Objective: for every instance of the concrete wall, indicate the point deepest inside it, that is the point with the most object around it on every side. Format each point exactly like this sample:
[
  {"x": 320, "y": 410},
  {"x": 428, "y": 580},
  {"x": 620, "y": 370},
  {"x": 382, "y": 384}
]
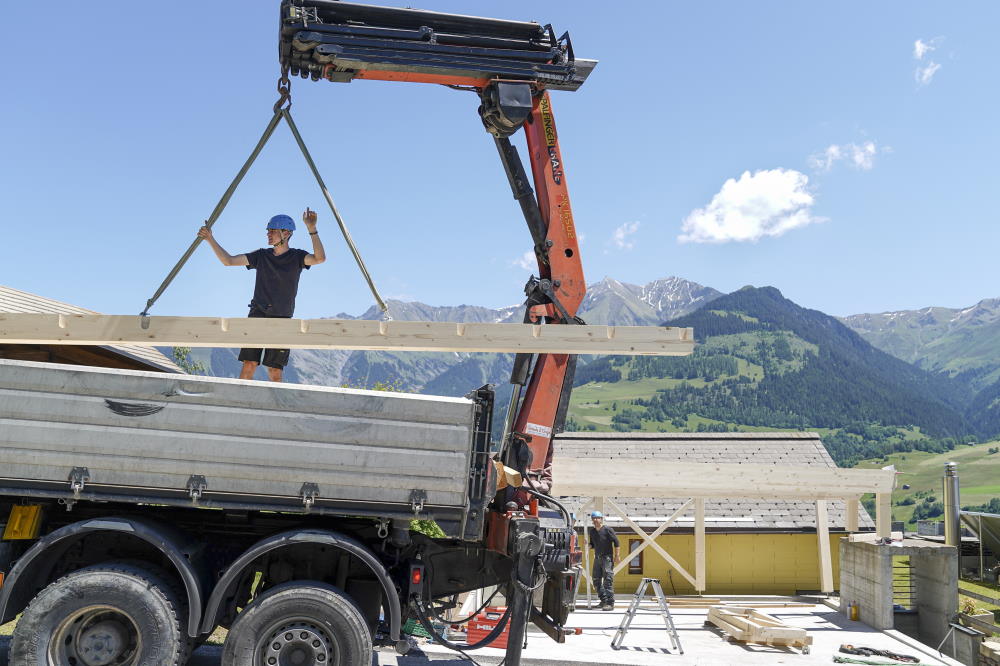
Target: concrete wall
[
  {"x": 735, "y": 563},
  {"x": 866, "y": 580},
  {"x": 989, "y": 653},
  {"x": 935, "y": 577}
]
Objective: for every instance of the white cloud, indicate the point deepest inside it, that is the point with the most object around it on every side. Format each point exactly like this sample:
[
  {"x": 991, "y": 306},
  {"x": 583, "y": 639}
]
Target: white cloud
[
  {"x": 526, "y": 261},
  {"x": 826, "y": 159},
  {"x": 860, "y": 156},
  {"x": 921, "y": 48},
  {"x": 620, "y": 237},
  {"x": 923, "y": 75},
  {"x": 765, "y": 203}
]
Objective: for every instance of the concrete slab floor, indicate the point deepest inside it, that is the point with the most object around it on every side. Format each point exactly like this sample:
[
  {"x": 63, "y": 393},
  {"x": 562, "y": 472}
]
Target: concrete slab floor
[{"x": 647, "y": 641}]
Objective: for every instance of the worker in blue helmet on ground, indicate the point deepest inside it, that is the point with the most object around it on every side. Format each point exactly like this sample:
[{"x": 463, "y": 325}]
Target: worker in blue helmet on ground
[
  {"x": 278, "y": 269},
  {"x": 604, "y": 541}
]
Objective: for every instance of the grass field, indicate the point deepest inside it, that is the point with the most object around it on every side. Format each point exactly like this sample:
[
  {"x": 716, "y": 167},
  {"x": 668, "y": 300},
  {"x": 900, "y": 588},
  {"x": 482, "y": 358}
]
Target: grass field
[
  {"x": 981, "y": 588},
  {"x": 978, "y": 471}
]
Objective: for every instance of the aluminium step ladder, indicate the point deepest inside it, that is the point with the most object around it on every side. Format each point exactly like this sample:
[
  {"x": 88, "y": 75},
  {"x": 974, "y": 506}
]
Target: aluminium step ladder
[{"x": 633, "y": 608}]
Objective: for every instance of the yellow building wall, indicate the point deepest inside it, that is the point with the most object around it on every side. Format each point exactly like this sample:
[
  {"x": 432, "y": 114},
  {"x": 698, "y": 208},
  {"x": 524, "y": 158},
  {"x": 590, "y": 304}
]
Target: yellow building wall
[{"x": 734, "y": 563}]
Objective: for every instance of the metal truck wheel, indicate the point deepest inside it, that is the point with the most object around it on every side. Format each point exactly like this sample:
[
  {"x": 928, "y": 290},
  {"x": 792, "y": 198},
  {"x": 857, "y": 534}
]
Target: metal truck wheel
[
  {"x": 295, "y": 623},
  {"x": 104, "y": 615}
]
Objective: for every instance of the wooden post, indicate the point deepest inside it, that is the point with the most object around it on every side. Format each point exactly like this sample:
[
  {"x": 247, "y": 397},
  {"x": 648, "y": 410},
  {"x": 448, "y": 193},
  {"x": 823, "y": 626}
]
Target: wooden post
[
  {"x": 883, "y": 515},
  {"x": 851, "y": 514},
  {"x": 825, "y": 558},
  {"x": 699, "y": 545}
]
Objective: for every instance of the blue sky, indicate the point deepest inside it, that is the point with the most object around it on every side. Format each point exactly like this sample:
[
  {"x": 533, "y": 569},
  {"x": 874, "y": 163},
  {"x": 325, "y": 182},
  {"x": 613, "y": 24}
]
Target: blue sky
[{"x": 844, "y": 153}]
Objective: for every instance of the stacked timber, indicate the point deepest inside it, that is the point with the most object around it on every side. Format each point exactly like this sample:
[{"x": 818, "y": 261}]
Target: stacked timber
[{"x": 748, "y": 625}]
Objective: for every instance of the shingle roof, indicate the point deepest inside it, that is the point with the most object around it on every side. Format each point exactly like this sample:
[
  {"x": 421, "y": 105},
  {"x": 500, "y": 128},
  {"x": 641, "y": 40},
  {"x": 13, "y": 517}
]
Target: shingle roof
[
  {"x": 16, "y": 301},
  {"x": 759, "y": 448}
]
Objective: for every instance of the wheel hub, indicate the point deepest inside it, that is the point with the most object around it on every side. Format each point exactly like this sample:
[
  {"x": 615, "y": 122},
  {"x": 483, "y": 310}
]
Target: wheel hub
[
  {"x": 102, "y": 642},
  {"x": 298, "y": 644},
  {"x": 96, "y": 637}
]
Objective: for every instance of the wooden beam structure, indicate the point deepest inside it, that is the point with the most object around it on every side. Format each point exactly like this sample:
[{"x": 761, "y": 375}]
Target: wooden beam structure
[
  {"x": 748, "y": 625},
  {"x": 94, "y": 329},
  {"x": 699, "y": 545},
  {"x": 618, "y": 477},
  {"x": 825, "y": 557},
  {"x": 851, "y": 519},
  {"x": 650, "y": 540},
  {"x": 883, "y": 514},
  {"x": 603, "y": 478}
]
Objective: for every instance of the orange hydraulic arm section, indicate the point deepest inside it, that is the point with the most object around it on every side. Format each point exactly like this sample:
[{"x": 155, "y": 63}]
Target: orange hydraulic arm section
[{"x": 561, "y": 283}]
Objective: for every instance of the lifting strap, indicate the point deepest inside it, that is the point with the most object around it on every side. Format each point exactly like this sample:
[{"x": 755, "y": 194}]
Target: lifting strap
[{"x": 281, "y": 112}]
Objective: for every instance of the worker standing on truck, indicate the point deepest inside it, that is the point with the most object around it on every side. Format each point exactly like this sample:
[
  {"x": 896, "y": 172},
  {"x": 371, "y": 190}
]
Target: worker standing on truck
[
  {"x": 278, "y": 269},
  {"x": 604, "y": 541}
]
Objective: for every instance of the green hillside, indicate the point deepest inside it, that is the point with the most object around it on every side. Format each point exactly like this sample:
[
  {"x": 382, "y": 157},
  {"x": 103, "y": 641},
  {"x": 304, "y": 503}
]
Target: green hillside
[
  {"x": 764, "y": 363},
  {"x": 978, "y": 473},
  {"x": 958, "y": 342}
]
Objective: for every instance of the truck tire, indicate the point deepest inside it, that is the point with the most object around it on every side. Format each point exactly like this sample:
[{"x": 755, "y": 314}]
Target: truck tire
[
  {"x": 105, "y": 614},
  {"x": 299, "y": 623}
]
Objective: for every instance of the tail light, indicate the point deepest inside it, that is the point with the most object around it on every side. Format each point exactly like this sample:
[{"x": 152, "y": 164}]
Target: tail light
[{"x": 416, "y": 579}]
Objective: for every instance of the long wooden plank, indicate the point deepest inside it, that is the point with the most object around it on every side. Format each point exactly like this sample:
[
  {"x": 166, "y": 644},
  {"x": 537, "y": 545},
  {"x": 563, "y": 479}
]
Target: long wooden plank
[
  {"x": 344, "y": 334},
  {"x": 653, "y": 478}
]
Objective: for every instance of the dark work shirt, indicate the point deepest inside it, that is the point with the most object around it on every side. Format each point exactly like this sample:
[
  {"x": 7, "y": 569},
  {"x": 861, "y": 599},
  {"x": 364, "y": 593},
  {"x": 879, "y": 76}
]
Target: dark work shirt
[
  {"x": 603, "y": 541},
  {"x": 277, "y": 280}
]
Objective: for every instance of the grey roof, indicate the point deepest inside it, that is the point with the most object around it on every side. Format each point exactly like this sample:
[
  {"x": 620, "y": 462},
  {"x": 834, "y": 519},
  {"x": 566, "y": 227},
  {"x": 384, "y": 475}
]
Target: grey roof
[
  {"x": 16, "y": 301},
  {"x": 759, "y": 448}
]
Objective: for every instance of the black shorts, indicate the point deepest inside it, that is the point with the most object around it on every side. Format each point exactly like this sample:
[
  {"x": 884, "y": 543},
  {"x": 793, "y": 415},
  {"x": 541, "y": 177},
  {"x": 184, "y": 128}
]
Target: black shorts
[{"x": 272, "y": 358}]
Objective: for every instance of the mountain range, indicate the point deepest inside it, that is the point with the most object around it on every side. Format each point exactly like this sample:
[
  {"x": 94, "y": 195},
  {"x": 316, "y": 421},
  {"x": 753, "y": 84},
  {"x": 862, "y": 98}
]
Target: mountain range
[
  {"x": 873, "y": 383},
  {"x": 959, "y": 342},
  {"x": 606, "y": 302}
]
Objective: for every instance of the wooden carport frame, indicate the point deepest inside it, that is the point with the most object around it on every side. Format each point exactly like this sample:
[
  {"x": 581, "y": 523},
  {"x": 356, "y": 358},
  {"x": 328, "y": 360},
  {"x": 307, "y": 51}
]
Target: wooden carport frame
[{"x": 603, "y": 478}]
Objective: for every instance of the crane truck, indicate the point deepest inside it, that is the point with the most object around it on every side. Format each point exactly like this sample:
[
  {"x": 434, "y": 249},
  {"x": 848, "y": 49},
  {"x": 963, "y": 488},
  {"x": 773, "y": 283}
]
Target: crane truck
[{"x": 140, "y": 510}]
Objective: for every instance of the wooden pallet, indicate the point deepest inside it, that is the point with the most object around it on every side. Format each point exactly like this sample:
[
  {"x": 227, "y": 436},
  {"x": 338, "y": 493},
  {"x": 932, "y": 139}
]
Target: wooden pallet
[{"x": 749, "y": 625}]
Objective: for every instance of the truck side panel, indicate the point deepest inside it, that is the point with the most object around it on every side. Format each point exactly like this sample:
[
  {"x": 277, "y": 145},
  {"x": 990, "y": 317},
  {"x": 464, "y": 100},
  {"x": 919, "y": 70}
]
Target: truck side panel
[{"x": 152, "y": 430}]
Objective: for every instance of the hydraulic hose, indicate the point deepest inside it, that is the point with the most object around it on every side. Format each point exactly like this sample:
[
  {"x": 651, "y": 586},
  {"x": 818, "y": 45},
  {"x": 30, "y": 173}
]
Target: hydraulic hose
[{"x": 424, "y": 618}]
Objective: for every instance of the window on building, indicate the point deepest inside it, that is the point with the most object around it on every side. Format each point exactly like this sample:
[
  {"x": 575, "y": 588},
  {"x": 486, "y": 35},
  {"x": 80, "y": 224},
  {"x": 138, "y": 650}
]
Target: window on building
[{"x": 635, "y": 564}]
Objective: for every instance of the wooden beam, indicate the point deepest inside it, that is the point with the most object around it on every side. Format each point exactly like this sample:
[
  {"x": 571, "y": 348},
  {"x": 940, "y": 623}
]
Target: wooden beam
[
  {"x": 852, "y": 506},
  {"x": 652, "y": 544},
  {"x": 883, "y": 514},
  {"x": 652, "y": 537},
  {"x": 699, "y": 544},
  {"x": 344, "y": 334},
  {"x": 823, "y": 538},
  {"x": 617, "y": 477}
]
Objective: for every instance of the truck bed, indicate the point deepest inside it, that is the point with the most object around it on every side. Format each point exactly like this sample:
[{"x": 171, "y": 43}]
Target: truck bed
[{"x": 153, "y": 436}]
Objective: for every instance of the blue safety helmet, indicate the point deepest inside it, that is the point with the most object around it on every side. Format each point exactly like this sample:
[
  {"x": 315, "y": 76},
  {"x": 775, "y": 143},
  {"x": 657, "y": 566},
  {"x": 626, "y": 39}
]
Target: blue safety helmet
[
  {"x": 281, "y": 222},
  {"x": 596, "y": 514}
]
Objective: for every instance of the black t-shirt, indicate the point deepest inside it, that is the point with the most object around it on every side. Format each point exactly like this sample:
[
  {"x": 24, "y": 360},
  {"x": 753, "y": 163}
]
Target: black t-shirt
[
  {"x": 603, "y": 541},
  {"x": 277, "y": 279}
]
